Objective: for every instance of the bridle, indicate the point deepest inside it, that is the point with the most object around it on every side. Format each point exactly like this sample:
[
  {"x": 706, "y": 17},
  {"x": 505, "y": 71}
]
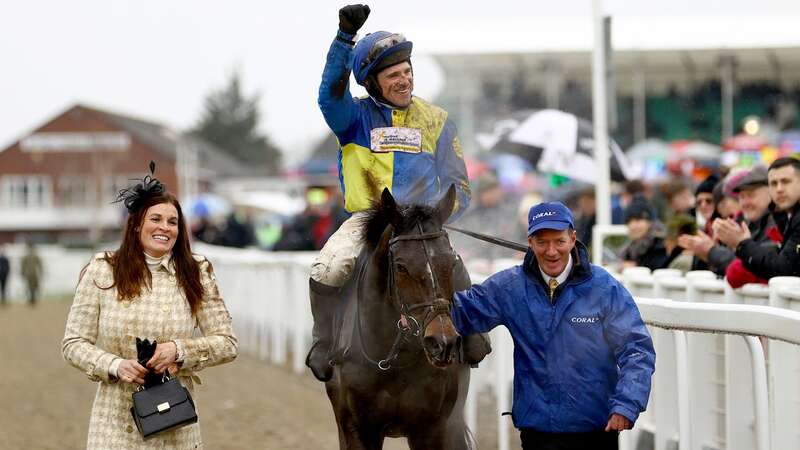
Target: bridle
[{"x": 407, "y": 324}]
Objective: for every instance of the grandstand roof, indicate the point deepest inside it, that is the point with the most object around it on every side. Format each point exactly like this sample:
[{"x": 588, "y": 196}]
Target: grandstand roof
[
  {"x": 548, "y": 34},
  {"x": 671, "y": 50}
]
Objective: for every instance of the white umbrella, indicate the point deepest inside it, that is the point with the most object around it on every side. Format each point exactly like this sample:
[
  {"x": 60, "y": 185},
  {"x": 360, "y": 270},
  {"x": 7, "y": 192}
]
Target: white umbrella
[
  {"x": 207, "y": 205},
  {"x": 558, "y": 142},
  {"x": 272, "y": 201},
  {"x": 701, "y": 151},
  {"x": 649, "y": 149}
]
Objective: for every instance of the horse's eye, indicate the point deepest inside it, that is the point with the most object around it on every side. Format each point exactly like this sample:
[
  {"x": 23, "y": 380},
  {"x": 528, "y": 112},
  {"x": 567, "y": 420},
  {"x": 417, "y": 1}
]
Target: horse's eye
[{"x": 401, "y": 268}]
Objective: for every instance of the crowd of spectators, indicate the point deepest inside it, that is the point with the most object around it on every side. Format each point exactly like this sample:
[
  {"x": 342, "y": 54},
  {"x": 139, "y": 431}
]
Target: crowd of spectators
[
  {"x": 743, "y": 226},
  {"x": 311, "y": 228},
  {"x": 307, "y": 230},
  {"x": 493, "y": 211},
  {"x": 236, "y": 230}
]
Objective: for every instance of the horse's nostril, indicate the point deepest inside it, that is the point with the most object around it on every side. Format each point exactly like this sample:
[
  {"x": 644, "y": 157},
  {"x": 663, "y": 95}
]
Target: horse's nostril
[{"x": 432, "y": 346}]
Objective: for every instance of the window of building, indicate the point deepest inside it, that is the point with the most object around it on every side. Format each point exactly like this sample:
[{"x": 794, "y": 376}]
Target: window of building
[
  {"x": 26, "y": 191},
  {"x": 74, "y": 190}
]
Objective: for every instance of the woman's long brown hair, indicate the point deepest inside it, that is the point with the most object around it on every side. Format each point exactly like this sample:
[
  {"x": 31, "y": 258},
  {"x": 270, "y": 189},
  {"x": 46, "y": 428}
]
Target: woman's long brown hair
[{"x": 130, "y": 269}]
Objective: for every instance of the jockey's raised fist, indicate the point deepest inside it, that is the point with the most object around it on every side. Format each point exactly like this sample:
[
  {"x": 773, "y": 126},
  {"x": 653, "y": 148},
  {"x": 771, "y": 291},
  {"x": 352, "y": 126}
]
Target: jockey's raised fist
[{"x": 352, "y": 18}]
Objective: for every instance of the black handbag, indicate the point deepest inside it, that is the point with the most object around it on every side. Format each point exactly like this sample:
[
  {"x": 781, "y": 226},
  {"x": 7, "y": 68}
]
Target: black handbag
[
  {"x": 162, "y": 403},
  {"x": 162, "y": 407}
]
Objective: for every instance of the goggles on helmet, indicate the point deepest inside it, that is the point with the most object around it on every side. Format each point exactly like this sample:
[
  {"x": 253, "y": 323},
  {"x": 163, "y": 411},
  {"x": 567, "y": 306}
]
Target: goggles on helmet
[{"x": 382, "y": 45}]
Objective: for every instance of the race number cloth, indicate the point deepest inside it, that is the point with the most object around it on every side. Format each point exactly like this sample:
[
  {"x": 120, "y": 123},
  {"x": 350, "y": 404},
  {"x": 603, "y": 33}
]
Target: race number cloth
[{"x": 396, "y": 139}]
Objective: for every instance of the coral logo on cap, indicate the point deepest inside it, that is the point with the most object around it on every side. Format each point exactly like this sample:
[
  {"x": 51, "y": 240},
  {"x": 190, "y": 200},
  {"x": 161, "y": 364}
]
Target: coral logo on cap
[{"x": 543, "y": 214}]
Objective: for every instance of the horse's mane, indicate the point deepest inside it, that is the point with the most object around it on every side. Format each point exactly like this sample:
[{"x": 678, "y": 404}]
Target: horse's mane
[{"x": 377, "y": 218}]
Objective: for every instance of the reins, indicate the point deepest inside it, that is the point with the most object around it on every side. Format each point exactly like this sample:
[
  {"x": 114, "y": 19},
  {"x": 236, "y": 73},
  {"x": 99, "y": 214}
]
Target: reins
[{"x": 491, "y": 239}]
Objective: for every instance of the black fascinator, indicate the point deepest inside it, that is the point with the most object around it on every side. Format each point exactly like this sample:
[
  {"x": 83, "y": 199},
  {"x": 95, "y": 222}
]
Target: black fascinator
[{"x": 134, "y": 196}]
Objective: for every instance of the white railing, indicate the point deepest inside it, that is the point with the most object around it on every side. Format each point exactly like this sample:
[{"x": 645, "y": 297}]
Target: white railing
[
  {"x": 267, "y": 296},
  {"x": 599, "y": 234},
  {"x": 711, "y": 386},
  {"x": 724, "y": 399}
]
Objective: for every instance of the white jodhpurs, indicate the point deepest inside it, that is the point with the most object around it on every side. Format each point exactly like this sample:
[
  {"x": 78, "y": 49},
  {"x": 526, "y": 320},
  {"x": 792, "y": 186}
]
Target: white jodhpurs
[{"x": 336, "y": 260}]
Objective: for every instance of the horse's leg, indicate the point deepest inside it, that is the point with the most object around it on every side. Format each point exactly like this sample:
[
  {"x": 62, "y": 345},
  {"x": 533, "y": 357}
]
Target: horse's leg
[
  {"x": 432, "y": 437},
  {"x": 459, "y": 436},
  {"x": 457, "y": 430},
  {"x": 333, "y": 389},
  {"x": 354, "y": 437}
]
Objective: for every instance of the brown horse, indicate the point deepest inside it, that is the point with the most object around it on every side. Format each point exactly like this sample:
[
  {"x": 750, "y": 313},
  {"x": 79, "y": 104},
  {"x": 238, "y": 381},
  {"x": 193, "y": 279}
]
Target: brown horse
[{"x": 398, "y": 373}]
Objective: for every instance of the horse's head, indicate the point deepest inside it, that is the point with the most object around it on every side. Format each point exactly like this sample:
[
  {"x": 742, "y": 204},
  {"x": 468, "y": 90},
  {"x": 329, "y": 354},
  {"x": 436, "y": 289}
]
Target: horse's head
[{"x": 419, "y": 266}]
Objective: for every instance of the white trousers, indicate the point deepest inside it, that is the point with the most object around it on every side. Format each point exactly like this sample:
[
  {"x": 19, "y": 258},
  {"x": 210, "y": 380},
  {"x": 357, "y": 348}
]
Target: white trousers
[{"x": 336, "y": 260}]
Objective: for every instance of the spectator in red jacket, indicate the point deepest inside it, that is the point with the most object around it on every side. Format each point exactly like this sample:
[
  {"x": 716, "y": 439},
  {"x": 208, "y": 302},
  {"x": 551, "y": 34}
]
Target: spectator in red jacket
[
  {"x": 783, "y": 259},
  {"x": 748, "y": 190},
  {"x": 754, "y": 200}
]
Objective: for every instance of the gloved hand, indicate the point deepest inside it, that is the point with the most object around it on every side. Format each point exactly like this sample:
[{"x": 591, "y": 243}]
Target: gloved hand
[
  {"x": 144, "y": 351},
  {"x": 352, "y": 18}
]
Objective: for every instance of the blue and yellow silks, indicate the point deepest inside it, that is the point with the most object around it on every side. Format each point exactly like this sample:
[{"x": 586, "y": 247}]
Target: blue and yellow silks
[{"x": 381, "y": 147}]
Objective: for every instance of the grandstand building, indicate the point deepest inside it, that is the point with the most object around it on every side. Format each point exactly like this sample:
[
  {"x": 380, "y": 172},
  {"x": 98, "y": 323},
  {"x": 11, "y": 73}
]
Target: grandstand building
[{"x": 672, "y": 79}]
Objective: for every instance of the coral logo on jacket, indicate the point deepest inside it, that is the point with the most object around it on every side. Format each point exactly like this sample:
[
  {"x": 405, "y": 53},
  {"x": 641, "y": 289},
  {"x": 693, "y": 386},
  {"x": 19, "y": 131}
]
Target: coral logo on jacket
[{"x": 584, "y": 319}]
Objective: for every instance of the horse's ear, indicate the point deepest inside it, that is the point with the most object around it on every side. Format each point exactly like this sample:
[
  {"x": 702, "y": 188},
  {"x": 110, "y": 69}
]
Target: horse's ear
[
  {"x": 383, "y": 245},
  {"x": 446, "y": 203},
  {"x": 389, "y": 206}
]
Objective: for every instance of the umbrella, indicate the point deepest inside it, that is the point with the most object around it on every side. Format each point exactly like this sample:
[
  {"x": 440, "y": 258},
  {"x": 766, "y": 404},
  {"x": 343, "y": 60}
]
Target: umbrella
[
  {"x": 697, "y": 150},
  {"x": 510, "y": 170},
  {"x": 649, "y": 149},
  {"x": 565, "y": 192},
  {"x": 207, "y": 204},
  {"x": 475, "y": 167},
  {"x": 272, "y": 201},
  {"x": 319, "y": 166},
  {"x": 557, "y": 142},
  {"x": 790, "y": 141},
  {"x": 744, "y": 142}
]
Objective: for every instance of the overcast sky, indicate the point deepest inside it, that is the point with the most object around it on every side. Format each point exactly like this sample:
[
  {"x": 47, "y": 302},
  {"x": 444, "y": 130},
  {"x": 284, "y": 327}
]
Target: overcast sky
[{"x": 158, "y": 59}]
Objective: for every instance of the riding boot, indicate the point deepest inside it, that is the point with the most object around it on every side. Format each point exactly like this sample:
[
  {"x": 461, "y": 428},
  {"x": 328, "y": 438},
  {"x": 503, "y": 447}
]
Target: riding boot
[
  {"x": 474, "y": 347},
  {"x": 324, "y": 299}
]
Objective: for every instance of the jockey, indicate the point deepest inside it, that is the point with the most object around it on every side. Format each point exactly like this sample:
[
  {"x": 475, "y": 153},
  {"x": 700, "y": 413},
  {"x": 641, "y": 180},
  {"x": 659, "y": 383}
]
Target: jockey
[{"x": 387, "y": 139}]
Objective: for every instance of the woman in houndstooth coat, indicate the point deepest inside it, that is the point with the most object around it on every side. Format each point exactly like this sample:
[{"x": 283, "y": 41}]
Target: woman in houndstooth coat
[{"x": 151, "y": 287}]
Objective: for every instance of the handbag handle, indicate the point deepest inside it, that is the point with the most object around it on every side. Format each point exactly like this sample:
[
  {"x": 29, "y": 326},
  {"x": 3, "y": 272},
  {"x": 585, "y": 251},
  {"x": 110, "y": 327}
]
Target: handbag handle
[{"x": 164, "y": 378}]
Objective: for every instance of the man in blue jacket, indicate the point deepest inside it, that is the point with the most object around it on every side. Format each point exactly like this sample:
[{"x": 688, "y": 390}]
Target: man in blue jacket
[
  {"x": 388, "y": 139},
  {"x": 583, "y": 358}
]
